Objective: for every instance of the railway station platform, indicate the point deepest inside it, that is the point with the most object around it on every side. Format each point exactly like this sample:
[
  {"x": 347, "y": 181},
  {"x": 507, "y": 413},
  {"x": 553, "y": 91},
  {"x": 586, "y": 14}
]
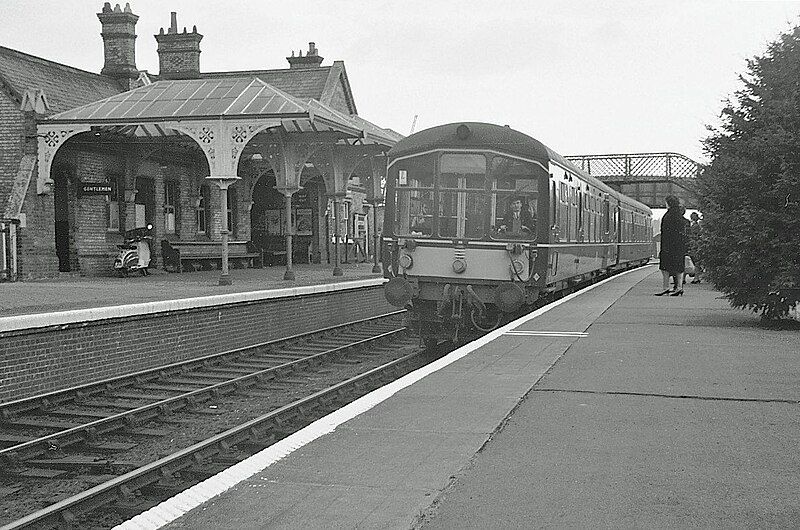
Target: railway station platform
[
  {"x": 610, "y": 408},
  {"x": 70, "y": 293},
  {"x": 65, "y": 333}
]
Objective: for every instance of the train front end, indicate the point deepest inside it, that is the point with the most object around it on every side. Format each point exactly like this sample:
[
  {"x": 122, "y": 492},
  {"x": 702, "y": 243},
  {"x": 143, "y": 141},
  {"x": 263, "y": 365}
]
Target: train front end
[{"x": 463, "y": 203}]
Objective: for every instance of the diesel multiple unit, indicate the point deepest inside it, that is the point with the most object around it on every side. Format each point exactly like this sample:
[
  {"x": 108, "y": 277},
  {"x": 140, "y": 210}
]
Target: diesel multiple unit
[{"x": 481, "y": 221}]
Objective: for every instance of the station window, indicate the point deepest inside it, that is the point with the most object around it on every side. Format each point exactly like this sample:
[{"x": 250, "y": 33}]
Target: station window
[
  {"x": 201, "y": 209},
  {"x": 231, "y": 211},
  {"x": 170, "y": 206},
  {"x": 115, "y": 203}
]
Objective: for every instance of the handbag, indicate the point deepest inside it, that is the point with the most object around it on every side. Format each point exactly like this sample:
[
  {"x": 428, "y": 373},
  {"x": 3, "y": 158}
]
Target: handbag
[{"x": 688, "y": 266}]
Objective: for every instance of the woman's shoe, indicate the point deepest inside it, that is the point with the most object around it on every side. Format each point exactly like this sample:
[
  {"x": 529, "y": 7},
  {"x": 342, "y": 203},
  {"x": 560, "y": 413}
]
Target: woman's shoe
[
  {"x": 677, "y": 293},
  {"x": 663, "y": 293}
]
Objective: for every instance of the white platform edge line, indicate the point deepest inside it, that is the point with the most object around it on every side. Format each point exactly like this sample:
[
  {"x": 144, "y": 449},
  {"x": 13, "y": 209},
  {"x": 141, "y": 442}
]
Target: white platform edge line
[
  {"x": 548, "y": 333},
  {"x": 176, "y": 506},
  {"x": 60, "y": 318}
]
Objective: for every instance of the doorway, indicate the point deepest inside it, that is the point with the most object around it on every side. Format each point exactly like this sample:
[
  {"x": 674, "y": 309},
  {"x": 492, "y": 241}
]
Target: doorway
[
  {"x": 61, "y": 205},
  {"x": 145, "y": 201},
  {"x": 268, "y": 221}
]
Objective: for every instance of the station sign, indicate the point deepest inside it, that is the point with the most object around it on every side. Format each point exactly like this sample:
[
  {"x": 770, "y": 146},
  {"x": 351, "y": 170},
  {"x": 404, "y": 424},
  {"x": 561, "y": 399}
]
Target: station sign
[{"x": 95, "y": 189}]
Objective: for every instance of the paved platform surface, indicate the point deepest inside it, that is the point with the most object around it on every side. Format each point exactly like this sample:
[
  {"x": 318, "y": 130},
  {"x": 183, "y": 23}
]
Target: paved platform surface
[
  {"x": 42, "y": 296},
  {"x": 668, "y": 413}
]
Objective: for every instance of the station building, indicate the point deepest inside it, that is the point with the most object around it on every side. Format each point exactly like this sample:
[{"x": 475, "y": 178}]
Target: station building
[{"x": 273, "y": 163}]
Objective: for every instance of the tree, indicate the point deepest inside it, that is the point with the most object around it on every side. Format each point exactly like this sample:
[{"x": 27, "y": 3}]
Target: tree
[{"x": 751, "y": 190}]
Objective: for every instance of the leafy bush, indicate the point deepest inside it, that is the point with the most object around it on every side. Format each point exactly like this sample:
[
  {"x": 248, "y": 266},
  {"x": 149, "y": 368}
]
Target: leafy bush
[{"x": 750, "y": 245}]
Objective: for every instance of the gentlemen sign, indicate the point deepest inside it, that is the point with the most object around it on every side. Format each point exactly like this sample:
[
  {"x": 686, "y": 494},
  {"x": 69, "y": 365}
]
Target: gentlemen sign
[{"x": 95, "y": 189}]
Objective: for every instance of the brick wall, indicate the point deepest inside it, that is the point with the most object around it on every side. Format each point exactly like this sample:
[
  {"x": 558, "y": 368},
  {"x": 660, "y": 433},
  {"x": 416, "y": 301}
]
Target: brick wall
[
  {"x": 48, "y": 359},
  {"x": 11, "y": 141},
  {"x": 35, "y": 240}
]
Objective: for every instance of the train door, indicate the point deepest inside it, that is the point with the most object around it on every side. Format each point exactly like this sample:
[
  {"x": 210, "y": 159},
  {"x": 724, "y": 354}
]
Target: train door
[
  {"x": 605, "y": 236},
  {"x": 581, "y": 235},
  {"x": 617, "y": 233},
  {"x": 554, "y": 209}
]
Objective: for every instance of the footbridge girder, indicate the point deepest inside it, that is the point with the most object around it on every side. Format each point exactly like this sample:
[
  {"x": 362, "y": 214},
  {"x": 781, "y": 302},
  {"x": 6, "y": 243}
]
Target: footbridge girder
[{"x": 647, "y": 177}]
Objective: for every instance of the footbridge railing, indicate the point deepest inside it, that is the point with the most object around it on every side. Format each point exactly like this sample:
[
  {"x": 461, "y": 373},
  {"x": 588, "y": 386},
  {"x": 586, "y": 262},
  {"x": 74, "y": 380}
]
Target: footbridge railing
[{"x": 664, "y": 172}]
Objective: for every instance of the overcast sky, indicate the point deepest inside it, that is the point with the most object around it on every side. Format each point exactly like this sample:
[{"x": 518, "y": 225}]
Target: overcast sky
[{"x": 583, "y": 77}]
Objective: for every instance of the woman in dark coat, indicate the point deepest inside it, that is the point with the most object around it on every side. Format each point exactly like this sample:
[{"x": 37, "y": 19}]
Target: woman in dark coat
[{"x": 673, "y": 247}]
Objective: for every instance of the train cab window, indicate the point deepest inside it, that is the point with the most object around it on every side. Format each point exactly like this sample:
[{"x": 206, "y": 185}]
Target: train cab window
[
  {"x": 514, "y": 199},
  {"x": 462, "y": 185},
  {"x": 413, "y": 180}
]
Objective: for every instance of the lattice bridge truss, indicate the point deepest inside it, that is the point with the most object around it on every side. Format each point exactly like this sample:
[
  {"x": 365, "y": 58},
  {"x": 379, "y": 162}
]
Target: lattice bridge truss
[{"x": 647, "y": 177}]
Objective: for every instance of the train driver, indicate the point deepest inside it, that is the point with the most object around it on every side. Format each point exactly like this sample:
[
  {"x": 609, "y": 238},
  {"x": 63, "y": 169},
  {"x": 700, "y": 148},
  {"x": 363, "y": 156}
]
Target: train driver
[
  {"x": 421, "y": 223},
  {"x": 518, "y": 221}
]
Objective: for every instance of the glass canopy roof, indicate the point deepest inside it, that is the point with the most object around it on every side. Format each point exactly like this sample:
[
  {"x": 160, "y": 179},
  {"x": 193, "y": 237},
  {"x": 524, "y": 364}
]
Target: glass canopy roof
[{"x": 190, "y": 98}]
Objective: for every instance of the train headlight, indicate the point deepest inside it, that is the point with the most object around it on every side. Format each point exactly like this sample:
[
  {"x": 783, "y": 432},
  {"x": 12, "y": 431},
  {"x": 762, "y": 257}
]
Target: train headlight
[
  {"x": 517, "y": 267},
  {"x": 459, "y": 265},
  {"x": 405, "y": 261}
]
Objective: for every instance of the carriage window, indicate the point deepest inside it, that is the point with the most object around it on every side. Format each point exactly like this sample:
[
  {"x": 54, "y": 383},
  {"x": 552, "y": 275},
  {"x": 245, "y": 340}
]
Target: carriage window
[
  {"x": 461, "y": 195},
  {"x": 514, "y": 202},
  {"x": 414, "y": 195}
]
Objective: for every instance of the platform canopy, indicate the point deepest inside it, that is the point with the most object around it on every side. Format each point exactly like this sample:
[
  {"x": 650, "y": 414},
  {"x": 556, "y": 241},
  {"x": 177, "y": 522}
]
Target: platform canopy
[{"x": 220, "y": 115}]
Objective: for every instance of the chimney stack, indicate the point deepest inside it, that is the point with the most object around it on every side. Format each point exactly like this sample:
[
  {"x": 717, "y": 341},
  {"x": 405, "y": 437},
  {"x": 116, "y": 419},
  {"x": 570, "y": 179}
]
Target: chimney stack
[
  {"x": 119, "y": 43},
  {"x": 311, "y": 60},
  {"x": 178, "y": 53}
]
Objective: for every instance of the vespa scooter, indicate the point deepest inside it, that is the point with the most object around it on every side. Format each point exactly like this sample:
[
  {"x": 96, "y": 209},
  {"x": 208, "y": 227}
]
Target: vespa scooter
[{"x": 134, "y": 255}]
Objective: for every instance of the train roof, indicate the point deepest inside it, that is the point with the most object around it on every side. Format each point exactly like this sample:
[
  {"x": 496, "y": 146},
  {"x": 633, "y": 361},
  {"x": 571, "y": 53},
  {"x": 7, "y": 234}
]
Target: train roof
[{"x": 477, "y": 135}]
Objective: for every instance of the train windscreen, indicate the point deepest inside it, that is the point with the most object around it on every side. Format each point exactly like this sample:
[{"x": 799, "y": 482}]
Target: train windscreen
[
  {"x": 461, "y": 195},
  {"x": 514, "y": 200},
  {"x": 414, "y": 205}
]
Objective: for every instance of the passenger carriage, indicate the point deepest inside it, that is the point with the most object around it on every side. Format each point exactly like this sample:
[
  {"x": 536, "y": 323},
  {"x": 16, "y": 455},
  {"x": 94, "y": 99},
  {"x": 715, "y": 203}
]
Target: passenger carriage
[{"x": 463, "y": 257}]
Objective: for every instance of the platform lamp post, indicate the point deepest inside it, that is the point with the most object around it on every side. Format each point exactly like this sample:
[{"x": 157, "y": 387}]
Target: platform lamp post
[{"x": 224, "y": 182}]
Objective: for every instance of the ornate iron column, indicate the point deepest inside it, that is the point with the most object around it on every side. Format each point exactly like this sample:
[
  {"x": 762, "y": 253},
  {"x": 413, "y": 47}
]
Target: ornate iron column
[
  {"x": 287, "y": 194},
  {"x": 337, "y": 270},
  {"x": 375, "y": 197},
  {"x": 224, "y": 182}
]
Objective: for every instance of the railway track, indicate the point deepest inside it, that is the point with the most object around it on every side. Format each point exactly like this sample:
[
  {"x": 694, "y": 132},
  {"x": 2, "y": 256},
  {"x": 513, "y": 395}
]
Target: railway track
[{"x": 96, "y": 455}]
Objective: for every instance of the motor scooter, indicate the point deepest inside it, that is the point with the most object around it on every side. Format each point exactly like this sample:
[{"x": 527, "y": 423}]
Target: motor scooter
[{"x": 134, "y": 255}]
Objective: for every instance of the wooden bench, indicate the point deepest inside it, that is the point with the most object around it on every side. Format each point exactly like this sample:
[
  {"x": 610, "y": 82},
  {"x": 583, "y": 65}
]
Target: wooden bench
[{"x": 199, "y": 255}]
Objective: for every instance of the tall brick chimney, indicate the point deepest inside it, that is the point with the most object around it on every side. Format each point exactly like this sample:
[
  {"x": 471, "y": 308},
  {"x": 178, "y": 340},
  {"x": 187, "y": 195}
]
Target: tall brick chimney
[
  {"x": 119, "y": 43},
  {"x": 178, "y": 53},
  {"x": 311, "y": 60}
]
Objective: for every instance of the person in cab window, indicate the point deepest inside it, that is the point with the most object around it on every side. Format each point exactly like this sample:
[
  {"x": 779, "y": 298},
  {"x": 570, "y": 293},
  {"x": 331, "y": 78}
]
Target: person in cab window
[
  {"x": 421, "y": 224},
  {"x": 518, "y": 221}
]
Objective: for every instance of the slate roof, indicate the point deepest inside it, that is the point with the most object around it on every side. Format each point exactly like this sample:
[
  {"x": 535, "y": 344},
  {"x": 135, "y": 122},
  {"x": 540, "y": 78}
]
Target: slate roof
[{"x": 64, "y": 87}]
